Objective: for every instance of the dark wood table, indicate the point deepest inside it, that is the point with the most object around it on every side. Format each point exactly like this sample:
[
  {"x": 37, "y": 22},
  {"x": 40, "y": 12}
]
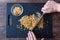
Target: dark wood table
[{"x": 55, "y": 19}]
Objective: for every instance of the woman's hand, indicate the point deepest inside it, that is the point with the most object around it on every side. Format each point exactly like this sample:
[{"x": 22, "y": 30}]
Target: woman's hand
[
  {"x": 50, "y": 6},
  {"x": 31, "y": 36}
]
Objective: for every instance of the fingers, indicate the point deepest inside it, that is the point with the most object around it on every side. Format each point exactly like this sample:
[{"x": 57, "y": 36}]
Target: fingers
[
  {"x": 43, "y": 10},
  {"x": 49, "y": 7},
  {"x": 26, "y": 38},
  {"x": 31, "y": 36},
  {"x": 47, "y": 3},
  {"x": 42, "y": 39},
  {"x": 46, "y": 10}
]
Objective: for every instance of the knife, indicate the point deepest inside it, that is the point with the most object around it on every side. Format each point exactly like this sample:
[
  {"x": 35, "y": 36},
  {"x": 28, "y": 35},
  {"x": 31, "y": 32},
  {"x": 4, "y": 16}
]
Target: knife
[{"x": 38, "y": 20}]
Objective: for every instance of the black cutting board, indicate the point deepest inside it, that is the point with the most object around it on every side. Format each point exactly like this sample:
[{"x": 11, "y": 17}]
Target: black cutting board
[{"x": 13, "y": 32}]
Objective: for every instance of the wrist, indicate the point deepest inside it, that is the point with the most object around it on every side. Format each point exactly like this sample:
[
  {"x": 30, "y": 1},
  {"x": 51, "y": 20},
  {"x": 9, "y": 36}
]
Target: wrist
[
  {"x": 58, "y": 7},
  {"x": 54, "y": 7}
]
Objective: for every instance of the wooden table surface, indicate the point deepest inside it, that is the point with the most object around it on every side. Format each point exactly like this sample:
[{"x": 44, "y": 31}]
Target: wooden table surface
[{"x": 56, "y": 23}]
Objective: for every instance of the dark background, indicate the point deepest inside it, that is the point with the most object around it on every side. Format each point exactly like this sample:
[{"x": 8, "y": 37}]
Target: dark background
[{"x": 56, "y": 21}]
